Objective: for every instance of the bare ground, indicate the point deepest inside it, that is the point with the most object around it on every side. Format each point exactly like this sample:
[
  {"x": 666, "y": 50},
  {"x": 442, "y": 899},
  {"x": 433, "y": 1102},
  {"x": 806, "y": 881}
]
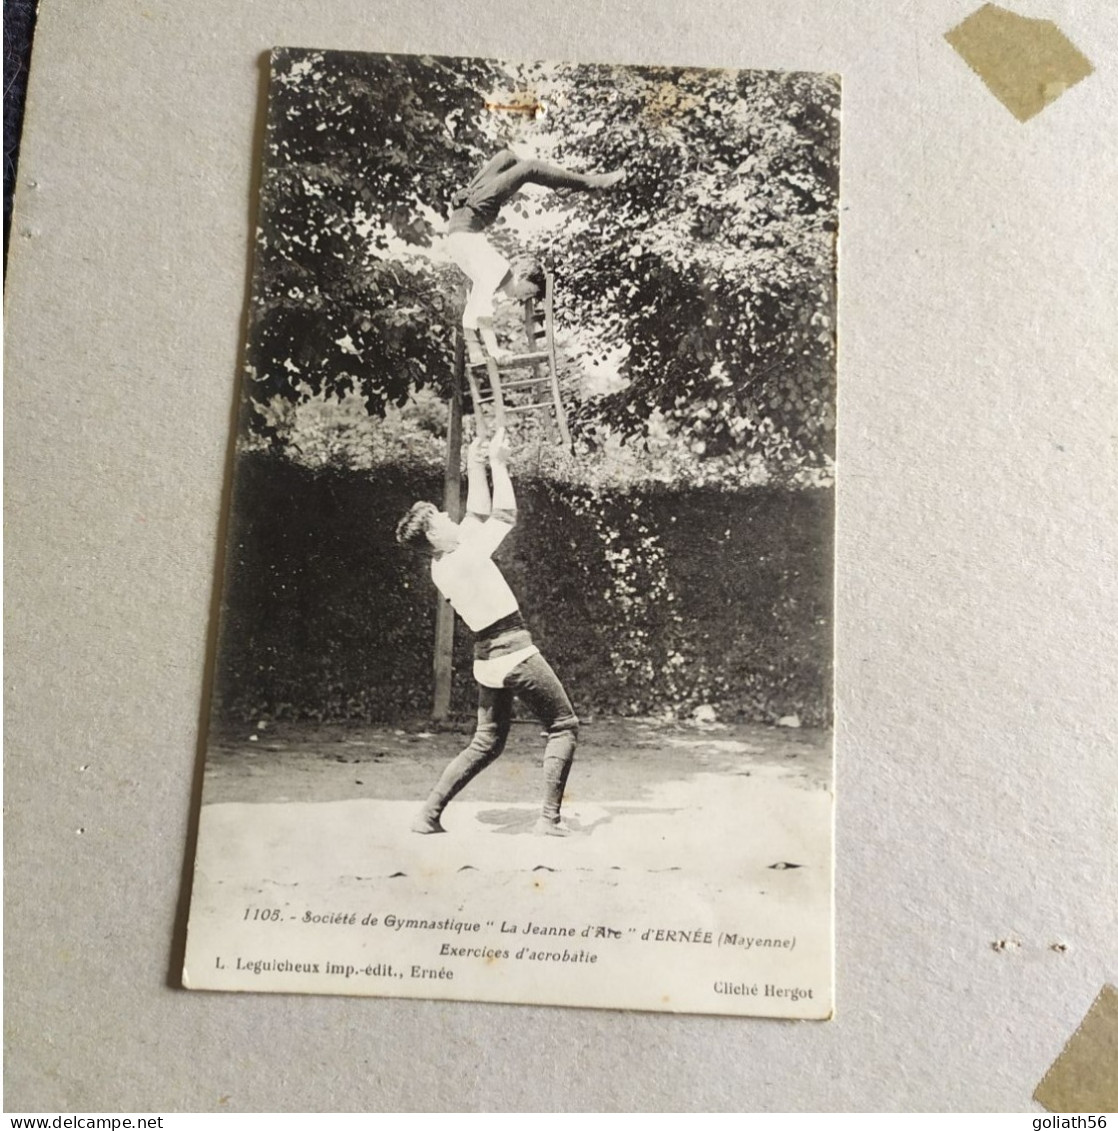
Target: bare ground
[
  {"x": 616, "y": 758},
  {"x": 689, "y": 844}
]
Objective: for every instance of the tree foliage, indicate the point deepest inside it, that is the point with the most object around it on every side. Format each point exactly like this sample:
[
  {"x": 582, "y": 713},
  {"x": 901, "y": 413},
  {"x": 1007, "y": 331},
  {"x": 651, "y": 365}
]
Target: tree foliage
[
  {"x": 715, "y": 266},
  {"x": 358, "y": 148},
  {"x": 706, "y": 280}
]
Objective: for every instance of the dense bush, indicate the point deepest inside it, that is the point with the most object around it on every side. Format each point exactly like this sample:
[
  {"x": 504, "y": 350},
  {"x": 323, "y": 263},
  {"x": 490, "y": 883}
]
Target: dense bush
[{"x": 647, "y": 600}]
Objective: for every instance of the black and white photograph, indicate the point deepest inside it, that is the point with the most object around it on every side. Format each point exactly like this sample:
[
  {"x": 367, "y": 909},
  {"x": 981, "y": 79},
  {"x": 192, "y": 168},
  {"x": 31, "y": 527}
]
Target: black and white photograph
[{"x": 523, "y": 681}]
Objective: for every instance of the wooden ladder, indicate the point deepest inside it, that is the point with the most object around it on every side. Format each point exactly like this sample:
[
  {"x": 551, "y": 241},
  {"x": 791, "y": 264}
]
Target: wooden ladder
[{"x": 540, "y": 392}]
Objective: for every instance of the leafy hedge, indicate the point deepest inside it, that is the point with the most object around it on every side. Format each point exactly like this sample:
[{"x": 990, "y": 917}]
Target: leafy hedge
[{"x": 645, "y": 601}]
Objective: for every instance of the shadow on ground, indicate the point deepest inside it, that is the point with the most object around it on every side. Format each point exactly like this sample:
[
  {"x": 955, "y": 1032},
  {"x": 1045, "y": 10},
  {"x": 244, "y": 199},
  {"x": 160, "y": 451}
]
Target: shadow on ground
[{"x": 617, "y": 758}]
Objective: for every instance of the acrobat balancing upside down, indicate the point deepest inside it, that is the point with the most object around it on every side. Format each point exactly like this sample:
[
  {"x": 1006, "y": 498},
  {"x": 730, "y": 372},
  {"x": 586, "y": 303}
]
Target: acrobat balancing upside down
[{"x": 475, "y": 209}]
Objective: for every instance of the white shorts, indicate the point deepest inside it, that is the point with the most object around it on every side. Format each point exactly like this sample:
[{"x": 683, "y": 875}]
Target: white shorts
[
  {"x": 494, "y": 672},
  {"x": 486, "y": 269}
]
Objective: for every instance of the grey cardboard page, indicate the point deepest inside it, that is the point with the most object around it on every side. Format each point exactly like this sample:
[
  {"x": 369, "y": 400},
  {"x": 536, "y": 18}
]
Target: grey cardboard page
[{"x": 975, "y": 589}]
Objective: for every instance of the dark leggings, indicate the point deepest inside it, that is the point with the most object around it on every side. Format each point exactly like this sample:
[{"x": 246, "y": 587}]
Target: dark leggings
[
  {"x": 539, "y": 687},
  {"x": 506, "y": 174},
  {"x": 522, "y": 173}
]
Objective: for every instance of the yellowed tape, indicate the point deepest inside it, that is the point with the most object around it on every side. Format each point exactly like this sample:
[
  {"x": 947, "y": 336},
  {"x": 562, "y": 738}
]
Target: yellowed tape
[
  {"x": 1026, "y": 63},
  {"x": 1084, "y": 1077}
]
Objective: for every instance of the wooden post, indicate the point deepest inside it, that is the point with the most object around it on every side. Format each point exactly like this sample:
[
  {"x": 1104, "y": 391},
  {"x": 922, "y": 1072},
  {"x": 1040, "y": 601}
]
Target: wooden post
[
  {"x": 553, "y": 365},
  {"x": 452, "y": 503}
]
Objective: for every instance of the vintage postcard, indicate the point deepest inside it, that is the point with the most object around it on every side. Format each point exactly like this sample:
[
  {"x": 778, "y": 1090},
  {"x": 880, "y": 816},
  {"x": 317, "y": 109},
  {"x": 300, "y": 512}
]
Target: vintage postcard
[{"x": 523, "y": 687}]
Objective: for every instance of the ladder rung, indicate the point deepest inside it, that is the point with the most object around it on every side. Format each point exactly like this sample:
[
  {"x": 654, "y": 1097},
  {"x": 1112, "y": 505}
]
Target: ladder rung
[
  {"x": 515, "y": 361},
  {"x": 517, "y": 407},
  {"x": 525, "y": 359},
  {"x": 526, "y": 407},
  {"x": 525, "y": 382}
]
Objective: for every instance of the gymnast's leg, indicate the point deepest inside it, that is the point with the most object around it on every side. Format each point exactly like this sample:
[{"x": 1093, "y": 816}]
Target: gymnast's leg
[
  {"x": 494, "y": 716},
  {"x": 534, "y": 172}
]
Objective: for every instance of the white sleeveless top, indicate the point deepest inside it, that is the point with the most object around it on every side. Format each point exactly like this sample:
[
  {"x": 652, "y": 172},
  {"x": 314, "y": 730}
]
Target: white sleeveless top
[{"x": 477, "y": 589}]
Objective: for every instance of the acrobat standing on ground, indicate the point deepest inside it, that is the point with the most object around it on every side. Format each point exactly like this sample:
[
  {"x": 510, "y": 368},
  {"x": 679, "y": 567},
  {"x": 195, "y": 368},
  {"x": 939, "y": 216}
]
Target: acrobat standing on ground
[
  {"x": 506, "y": 662},
  {"x": 475, "y": 208}
]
